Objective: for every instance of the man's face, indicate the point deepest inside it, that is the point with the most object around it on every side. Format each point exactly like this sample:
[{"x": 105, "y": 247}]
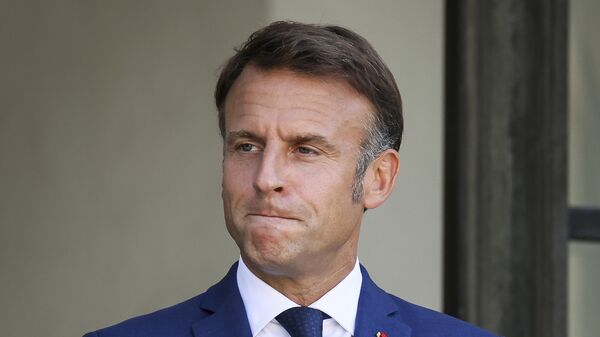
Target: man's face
[{"x": 290, "y": 153}]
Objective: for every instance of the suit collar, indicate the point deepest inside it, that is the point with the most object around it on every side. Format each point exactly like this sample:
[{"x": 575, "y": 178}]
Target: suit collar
[
  {"x": 226, "y": 315},
  {"x": 377, "y": 312}
]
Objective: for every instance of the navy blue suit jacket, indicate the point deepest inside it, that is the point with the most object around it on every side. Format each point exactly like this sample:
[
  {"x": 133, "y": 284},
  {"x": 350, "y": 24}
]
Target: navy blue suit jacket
[{"x": 219, "y": 312}]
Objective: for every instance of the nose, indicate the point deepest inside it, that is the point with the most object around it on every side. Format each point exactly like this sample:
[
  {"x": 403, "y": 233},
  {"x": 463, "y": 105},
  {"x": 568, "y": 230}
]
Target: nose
[{"x": 270, "y": 174}]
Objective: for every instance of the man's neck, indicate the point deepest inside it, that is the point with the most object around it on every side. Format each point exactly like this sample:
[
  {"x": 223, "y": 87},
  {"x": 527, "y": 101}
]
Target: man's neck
[{"x": 306, "y": 289}]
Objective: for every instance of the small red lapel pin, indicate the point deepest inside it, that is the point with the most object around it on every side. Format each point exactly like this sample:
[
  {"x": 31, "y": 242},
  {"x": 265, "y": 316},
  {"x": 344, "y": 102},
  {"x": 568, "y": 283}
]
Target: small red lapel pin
[{"x": 381, "y": 334}]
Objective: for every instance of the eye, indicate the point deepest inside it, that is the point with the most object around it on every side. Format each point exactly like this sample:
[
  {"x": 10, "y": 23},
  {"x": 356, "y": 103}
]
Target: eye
[
  {"x": 304, "y": 150},
  {"x": 246, "y": 147}
]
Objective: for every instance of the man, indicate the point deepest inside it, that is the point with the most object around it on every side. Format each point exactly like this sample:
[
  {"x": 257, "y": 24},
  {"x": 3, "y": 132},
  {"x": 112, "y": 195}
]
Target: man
[{"x": 311, "y": 122}]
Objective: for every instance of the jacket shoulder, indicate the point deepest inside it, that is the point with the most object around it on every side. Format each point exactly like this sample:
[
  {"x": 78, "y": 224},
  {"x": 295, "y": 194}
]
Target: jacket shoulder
[
  {"x": 173, "y": 321},
  {"x": 427, "y": 322}
]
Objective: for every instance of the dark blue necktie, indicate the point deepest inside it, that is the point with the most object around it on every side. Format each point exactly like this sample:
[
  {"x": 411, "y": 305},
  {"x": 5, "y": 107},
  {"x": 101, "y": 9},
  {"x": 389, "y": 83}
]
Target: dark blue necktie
[{"x": 303, "y": 321}]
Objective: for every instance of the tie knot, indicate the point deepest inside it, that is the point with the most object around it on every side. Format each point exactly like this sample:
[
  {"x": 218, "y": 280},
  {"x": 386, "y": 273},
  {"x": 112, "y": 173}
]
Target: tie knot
[{"x": 302, "y": 321}]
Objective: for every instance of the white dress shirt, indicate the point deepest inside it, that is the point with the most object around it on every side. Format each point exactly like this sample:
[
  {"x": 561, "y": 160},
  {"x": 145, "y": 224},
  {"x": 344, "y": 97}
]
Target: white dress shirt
[{"x": 263, "y": 304}]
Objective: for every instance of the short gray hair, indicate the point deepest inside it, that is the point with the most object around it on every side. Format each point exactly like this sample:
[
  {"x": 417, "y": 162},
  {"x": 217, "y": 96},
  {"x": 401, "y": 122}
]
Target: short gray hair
[{"x": 374, "y": 143}]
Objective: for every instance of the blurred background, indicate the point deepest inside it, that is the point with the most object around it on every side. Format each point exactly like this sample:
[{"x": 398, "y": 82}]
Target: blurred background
[
  {"x": 584, "y": 166},
  {"x": 110, "y": 154},
  {"x": 111, "y": 159}
]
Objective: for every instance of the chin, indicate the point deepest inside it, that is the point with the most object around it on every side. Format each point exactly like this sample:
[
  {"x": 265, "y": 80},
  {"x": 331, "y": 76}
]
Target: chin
[{"x": 268, "y": 260}]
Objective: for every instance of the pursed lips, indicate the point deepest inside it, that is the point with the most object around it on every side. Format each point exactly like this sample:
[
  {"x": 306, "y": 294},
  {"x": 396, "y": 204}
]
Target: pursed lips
[{"x": 273, "y": 216}]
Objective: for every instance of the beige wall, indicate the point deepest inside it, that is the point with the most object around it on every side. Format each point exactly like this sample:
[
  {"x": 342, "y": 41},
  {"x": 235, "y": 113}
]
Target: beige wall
[
  {"x": 584, "y": 163},
  {"x": 110, "y": 157},
  {"x": 584, "y": 100}
]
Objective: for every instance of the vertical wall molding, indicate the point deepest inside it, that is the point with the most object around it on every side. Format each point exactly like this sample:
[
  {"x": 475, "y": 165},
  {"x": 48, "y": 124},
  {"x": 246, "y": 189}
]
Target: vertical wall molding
[{"x": 505, "y": 165}]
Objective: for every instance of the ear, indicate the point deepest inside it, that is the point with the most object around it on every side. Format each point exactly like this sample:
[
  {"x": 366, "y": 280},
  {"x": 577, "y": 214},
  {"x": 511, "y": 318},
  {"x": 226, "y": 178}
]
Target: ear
[{"x": 380, "y": 178}]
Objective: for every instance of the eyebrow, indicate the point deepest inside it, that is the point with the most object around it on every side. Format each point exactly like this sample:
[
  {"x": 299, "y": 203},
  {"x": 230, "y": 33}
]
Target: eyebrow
[
  {"x": 233, "y": 135},
  {"x": 318, "y": 140},
  {"x": 309, "y": 138}
]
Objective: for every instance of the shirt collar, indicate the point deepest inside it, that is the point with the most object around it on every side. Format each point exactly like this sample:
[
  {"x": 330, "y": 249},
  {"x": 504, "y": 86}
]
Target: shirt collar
[{"x": 263, "y": 303}]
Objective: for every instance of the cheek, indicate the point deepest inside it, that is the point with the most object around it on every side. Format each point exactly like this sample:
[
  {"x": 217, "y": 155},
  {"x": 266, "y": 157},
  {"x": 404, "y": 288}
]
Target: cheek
[
  {"x": 333, "y": 200},
  {"x": 236, "y": 178},
  {"x": 328, "y": 190}
]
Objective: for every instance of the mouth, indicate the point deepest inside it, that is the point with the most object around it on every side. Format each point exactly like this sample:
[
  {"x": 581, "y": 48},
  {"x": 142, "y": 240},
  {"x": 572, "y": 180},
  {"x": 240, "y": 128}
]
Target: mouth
[{"x": 272, "y": 216}]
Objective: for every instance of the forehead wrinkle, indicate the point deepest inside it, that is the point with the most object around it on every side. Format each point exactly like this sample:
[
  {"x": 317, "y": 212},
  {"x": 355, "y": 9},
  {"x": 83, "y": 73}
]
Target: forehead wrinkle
[
  {"x": 275, "y": 97},
  {"x": 259, "y": 81},
  {"x": 317, "y": 100},
  {"x": 272, "y": 115}
]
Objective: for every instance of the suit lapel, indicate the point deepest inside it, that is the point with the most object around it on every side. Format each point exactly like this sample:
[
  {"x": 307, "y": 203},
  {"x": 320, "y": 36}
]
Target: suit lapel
[
  {"x": 226, "y": 315},
  {"x": 377, "y": 312}
]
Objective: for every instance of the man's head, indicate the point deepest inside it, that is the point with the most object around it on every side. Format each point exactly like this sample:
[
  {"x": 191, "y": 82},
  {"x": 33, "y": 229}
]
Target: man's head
[
  {"x": 325, "y": 52},
  {"x": 311, "y": 120}
]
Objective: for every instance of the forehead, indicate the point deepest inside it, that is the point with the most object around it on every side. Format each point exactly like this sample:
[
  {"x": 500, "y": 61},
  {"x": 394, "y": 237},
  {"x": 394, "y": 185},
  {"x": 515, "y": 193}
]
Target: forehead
[{"x": 285, "y": 96}]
